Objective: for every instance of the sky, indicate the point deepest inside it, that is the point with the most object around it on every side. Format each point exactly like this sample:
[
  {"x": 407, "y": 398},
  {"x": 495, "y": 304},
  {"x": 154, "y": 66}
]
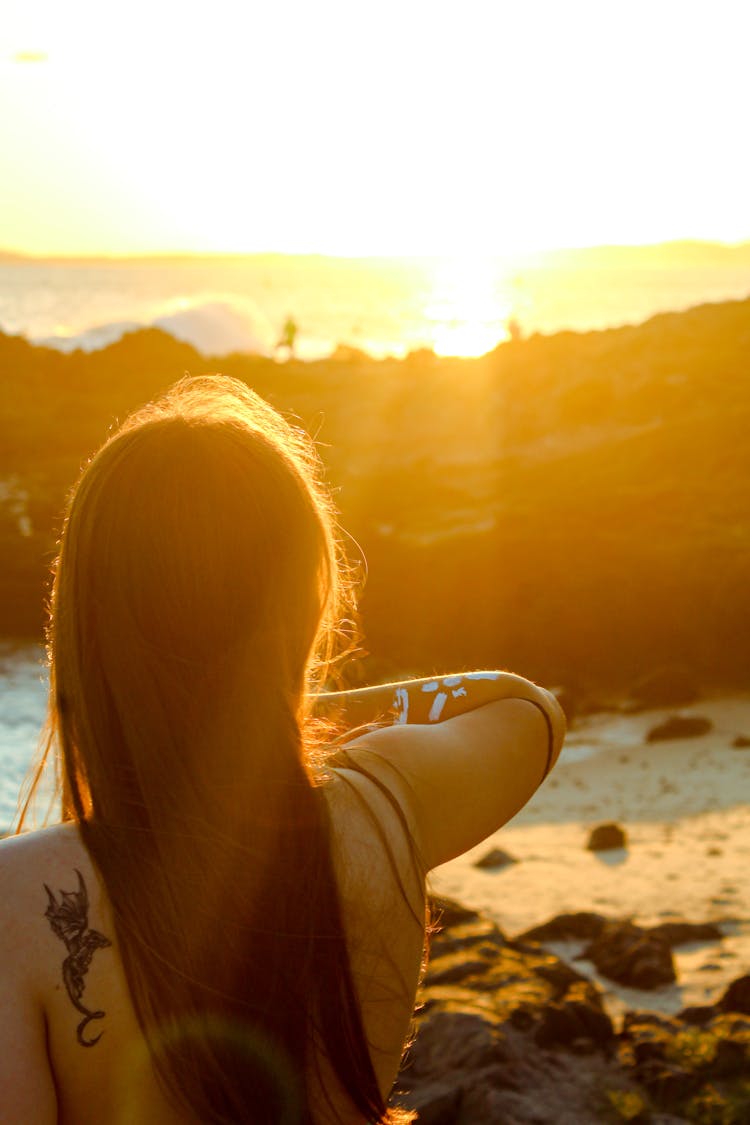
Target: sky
[{"x": 398, "y": 127}]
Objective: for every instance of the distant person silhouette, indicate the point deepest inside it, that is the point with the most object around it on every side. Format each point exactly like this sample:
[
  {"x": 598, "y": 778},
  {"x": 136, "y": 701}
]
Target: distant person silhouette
[
  {"x": 515, "y": 331},
  {"x": 288, "y": 336}
]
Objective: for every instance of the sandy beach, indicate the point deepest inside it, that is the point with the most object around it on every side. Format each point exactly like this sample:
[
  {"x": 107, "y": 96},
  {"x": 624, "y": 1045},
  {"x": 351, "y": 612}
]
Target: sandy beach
[{"x": 684, "y": 806}]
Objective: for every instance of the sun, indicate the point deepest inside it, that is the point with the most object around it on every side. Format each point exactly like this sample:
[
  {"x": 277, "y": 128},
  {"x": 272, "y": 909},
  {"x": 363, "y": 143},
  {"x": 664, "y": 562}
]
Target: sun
[{"x": 470, "y": 306}]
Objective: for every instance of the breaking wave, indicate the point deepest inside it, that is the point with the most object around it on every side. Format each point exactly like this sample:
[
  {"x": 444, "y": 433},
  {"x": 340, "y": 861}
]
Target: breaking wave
[{"x": 214, "y": 328}]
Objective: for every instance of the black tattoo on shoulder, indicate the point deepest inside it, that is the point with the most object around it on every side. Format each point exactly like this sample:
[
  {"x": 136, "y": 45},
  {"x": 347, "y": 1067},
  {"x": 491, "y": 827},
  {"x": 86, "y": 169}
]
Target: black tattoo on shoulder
[{"x": 69, "y": 918}]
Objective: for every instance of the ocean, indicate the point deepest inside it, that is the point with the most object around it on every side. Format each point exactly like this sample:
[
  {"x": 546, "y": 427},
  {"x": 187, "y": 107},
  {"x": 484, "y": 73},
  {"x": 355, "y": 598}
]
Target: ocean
[
  {"x": 383, "y": 307},
  {"x": 23, "y": 692}
]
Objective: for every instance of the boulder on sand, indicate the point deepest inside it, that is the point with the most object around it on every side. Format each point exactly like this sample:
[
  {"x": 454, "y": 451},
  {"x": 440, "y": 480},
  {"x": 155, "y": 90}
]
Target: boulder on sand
[
  {"x": 677, "y": 933},
  {"x": 605, "y": 837},
  {"x": 495, "y": 859},
  {"x": 583, "y": 924},
  {"x": 631, "y": 955}
]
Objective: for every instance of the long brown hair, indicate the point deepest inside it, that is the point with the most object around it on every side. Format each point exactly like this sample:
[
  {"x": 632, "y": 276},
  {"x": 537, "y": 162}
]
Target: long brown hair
[{"x": 194, "y": 606}]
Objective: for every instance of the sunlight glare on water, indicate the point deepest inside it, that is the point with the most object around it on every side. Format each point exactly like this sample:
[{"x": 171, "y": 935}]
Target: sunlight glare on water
[
  {"x": 469, "y": 306},
  {"x": 23, "y": 694}
]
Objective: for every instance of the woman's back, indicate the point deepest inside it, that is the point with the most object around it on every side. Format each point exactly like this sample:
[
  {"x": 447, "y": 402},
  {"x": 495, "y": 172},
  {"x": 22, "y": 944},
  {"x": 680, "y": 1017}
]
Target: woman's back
[{"x": 47, "y": 1074}]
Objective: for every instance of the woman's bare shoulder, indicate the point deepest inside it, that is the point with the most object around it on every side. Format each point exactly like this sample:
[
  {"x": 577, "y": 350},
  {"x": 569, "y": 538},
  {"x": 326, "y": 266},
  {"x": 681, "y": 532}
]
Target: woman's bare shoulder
[
  {"x": 43, "y": 853},
  {"x": 36, "y": 867}
]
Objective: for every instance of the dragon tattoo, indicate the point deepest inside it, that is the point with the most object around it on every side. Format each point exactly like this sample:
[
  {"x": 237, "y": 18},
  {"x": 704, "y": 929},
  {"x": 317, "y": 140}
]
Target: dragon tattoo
[{"x": 69, "y": 919}]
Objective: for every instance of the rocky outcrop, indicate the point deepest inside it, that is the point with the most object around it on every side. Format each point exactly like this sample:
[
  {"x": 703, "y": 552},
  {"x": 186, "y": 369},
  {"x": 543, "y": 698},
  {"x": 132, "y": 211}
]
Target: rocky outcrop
[
  {"x": 491, "y": 1010},
  {"x": 679, "y": 726},
  {"x": 505, "y": 1032},
  {"x": 737, "y": 997},
  {"x": 683, "y": 1068},
  {"x": 426, "y": 488},
  {"x": 637, "y": 956}
]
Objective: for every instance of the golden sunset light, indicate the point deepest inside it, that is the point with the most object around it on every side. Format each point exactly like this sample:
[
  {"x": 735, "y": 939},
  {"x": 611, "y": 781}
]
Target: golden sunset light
[{"x": 374, "y": 545}]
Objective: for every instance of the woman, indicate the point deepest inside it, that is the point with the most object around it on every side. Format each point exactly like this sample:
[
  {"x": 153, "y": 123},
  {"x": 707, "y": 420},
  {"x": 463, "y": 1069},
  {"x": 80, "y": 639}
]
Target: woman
[{"x": 228, "y": 925}]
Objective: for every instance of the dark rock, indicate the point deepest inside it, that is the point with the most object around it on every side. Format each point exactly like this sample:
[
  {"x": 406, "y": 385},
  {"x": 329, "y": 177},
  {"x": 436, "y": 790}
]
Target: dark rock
[
  {"x": 655, "y": 1047},
  {"x": 697, "y": 1015},
  {"x": 508, "y": 1033},
  {"x": 605, "y": 837},
  {"x": 436, "y": 1103},
  {"x": 559, "y": 1023},
  {"x": 637, "y": 1024},
  {"x": 455, "y": 1041},
  {"x": 448, "y": 912},
  {"x": 346, "y": 353},
  {"x": 677, "y": 933},
  {"x": 464, "y": 937},
  {"x": 479, "y": 934},
  {"x": 732, "y": 1023},
  {"x": 522, "y": 1018},
  {"x": 737, "y": 996},
  {"x": 421, "y": 356},
  {"x": 573, "y": 1020},
  {"x": 680, "y": 726},
  {"x": 561, "y": 976},
  {"x": 582, "y": 1046},
  {"x": 493, "y": 1106},
  {"x": 495, "y": 859},
  {"x": 503, "y": 1077},
  {"x": 669, "y": 1085},
  {"x": 741, "y": 742},
  {"x": 586, "y": 992},
  {"x": 455, "y": 972},
  {"x": 649, "y": 1037},
  {"x": 564, "y": 927},
  {"x": 664, "y": 687},
  {"x": 631, "y": 955},
  {"x": 629, "y": 1106},
  {"x": 732, "y": 1058}
]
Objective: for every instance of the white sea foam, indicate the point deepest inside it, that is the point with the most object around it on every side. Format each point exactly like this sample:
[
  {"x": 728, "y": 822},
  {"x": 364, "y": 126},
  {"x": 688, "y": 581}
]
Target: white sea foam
[
  {"x": 215, "y": 327},
  {"x": 218, "y": 328}
]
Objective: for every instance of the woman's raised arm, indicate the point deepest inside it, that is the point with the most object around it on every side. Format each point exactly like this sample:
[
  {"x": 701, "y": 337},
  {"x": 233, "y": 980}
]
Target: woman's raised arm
[
  {"x": 428, "y": 700},
  {"x": 464, "y": 754}
]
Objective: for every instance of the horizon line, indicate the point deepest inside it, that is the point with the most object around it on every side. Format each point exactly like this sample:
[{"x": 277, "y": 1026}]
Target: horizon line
[{"x": 8, "y": 254}]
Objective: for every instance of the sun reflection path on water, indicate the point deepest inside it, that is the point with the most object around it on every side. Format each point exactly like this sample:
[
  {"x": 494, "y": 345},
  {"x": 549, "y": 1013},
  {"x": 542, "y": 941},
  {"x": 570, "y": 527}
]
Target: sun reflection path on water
[{"x": 471, "y": 306}]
